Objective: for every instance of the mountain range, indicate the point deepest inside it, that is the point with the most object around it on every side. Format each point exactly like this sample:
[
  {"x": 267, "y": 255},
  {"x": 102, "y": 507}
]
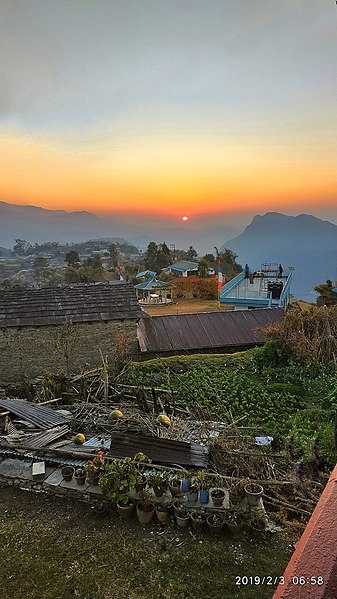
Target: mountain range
[
  {"x": 304, "y": 242},
  {"x": 37, "y": 225}
]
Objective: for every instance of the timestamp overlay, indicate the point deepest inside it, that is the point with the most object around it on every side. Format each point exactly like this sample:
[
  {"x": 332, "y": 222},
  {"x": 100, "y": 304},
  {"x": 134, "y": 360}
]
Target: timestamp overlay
[{"x": 276, "y": 580}]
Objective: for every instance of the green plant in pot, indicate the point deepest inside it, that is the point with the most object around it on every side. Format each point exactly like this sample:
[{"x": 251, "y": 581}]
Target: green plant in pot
[
  {"x": 159, "y": 482},
  {"x": 217, "y": 496},
  {"x": 256, "y": 520},
  {"x": 94, "y": 468},
  {"x": 236, "y": 491},
  {"x": 215, "y": 523},
  {"x": 80, "y": 476},
  {"x": 198, "y": 520},
  {"x": 174, "y": 484},
  {"x": 117, "y": 481},
  {"x": 145, "y": 507},
  {"x": 235, "y": 518},
  {"x": 201, "y": 481},
  {"x": 142, "y": 461},
  {"x": 192, "y": 493}
]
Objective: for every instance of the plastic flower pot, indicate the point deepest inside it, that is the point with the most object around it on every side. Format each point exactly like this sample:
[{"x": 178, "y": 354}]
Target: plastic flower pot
[
  {"x": 192, "y": 496},
  {"x": 217, "y": 496},
  {"x": 203, "y": 496},
  {"x": 182, "y": 519},
  {"x": 125, "y": 509},
  {"x": 185, "y": 485},
  {"x": 235, "y": 498},
  {"x": 67, "y": 473},
  {"x": 144, "y": 512},
  {"x": 253, "y": 493}
]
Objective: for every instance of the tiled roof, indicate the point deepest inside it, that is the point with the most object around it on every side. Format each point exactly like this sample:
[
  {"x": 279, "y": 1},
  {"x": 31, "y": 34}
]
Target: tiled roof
[
  {"x": 206, "y": 330},
  {"x": 78, "y": 303}
]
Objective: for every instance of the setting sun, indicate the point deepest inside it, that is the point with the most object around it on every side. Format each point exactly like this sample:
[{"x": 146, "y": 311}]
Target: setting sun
[{"x": 185, "y": 218}]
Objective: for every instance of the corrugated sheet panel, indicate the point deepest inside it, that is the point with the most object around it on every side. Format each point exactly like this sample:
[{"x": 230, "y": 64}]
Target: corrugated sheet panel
[
  {"x": 162, "y": 451},
  {"x": 45, "y": 438},
  {"x": 41, "y": 416},
  {"x": 206, "y": 330}
]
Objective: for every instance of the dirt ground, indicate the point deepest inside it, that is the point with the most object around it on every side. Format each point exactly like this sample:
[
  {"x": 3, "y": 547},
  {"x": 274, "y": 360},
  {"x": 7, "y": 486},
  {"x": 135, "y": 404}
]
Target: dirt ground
[
  {"x": 56, "y": 548},
  {"x": 184, "y": 306}
]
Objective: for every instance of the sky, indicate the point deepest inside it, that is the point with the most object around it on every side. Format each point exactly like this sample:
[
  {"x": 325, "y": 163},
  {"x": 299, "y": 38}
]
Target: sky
[{"x": 166, "y": 108}]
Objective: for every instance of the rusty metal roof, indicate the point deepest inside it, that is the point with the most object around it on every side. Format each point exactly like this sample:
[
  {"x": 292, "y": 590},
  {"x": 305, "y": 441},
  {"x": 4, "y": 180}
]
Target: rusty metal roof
[
  {"x": 76, "y": 303},
  {"x": 159, "y": 450},
  {"x": 206, "y": 330},
  {"x": 40, "y": 416}
]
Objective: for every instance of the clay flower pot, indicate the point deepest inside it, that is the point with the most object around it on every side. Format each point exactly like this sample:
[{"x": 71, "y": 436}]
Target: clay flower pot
[
  {"x": 67, "y": 473},
  {"x": 144, "y": 512},
  {"x": 80, "y": 476},
  {"x": 217, "y": 496},
  {"x": 198, "y": 521},
  {"x": 125, "y": 509},
  {"x": 163, "y": 514},
  {"x": 215, "y": 524}
]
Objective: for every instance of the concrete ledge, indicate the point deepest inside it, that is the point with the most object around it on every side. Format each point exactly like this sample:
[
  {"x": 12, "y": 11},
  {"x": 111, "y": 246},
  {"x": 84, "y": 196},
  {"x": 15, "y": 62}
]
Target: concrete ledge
[{"x": 316, "y": 553}]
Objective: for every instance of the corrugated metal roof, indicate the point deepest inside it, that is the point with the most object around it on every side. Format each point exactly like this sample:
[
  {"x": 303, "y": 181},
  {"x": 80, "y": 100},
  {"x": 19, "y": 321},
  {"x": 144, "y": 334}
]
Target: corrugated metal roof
[
  {"x": 183, "y": 265},
  {"x": 206, "y": 330},
  {"x": 41, "y": 416},
  {"x": 159, "y": 450},
  {"x": 78, "y": 303}
]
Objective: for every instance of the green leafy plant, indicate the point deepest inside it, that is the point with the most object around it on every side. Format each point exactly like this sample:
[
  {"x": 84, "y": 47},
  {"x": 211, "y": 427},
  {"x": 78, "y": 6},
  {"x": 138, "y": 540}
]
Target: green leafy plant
[{"x": 119, "y": 479}]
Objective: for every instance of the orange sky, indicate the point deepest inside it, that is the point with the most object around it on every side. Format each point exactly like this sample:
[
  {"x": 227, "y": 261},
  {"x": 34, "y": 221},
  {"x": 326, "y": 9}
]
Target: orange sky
[{"x": 167, "y": 174}]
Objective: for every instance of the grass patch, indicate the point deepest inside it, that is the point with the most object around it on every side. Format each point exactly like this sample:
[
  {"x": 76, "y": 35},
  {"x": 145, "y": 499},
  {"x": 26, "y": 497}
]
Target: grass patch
[{"x": 57, "y": 549}]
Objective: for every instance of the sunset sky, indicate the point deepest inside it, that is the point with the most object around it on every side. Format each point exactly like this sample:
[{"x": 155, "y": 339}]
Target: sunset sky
[{"x": 169, "y": 107}]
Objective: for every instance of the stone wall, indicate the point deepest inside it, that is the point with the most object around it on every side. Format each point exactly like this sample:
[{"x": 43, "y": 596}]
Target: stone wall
[{"x": 30, "y": 351}]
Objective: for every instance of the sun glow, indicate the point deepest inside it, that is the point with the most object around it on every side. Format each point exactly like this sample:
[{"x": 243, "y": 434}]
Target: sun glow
[{"x": 185, "y": 218}]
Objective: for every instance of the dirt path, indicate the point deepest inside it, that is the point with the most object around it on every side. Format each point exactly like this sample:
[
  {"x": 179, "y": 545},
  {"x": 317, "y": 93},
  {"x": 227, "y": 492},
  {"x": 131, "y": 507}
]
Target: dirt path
[{"x": 184, "y": 306}]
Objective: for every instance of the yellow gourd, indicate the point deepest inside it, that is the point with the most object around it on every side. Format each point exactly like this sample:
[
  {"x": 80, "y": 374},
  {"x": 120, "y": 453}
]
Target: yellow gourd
[
  {"x": 79, "y": 439},
  {"x": 116, "y": 414},
  {"x": 163, "y": 419}
]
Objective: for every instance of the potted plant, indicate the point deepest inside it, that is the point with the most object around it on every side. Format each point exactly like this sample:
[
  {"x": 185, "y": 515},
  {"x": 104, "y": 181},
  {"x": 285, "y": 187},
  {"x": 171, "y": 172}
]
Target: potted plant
[
  {"x": 117, "y": 481},
  {"x": 163, "y": 513},
  {"x": 217, "y": 496},
  {"x": 198, "y": 520},
  {"x": 253, "y": 493},
  {"x": 174, "y": 485},
  {"x": 201, "y": 482},
  {"x": 256, "y": 521},
  {"x": 159, "y": 482},
  {"x": 182, "y": 517},
  {"x": 236, "y": 492},
  {"x": 141, "y": 460},
  {"x": 192, "y": 494},
  {"x": 215, "y": 523},
  {"x": 80, "y": 475},
  {"x": 144, "y": 508},
  {"x": 94, "y": 468},
  {"x": 234, "y": 518},
  {"x": 185, "y": 481},
  {"x": 67, "y": 473}
]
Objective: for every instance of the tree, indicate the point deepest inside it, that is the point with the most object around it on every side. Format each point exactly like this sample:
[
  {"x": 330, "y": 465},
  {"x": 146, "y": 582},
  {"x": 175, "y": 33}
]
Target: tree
[
  {"x": 39, "y": 263},
  {"x": 203, "y": 268},
  {"x": 326, "y": 294},
  {"x": 22, "y": 247},
  {"x": 114, "y": 255},
  {"x": 191, "y": 253},
  {"x": 150, "y": 256},
  {"x": 72, "y": 259}
]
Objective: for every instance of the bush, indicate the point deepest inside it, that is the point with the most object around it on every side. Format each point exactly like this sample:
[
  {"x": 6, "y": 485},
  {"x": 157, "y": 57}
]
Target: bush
[{"x": 273, "y": 353}]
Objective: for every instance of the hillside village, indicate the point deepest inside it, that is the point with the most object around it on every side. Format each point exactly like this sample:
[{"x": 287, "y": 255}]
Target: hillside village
[{"x": 206, "y": 415}]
